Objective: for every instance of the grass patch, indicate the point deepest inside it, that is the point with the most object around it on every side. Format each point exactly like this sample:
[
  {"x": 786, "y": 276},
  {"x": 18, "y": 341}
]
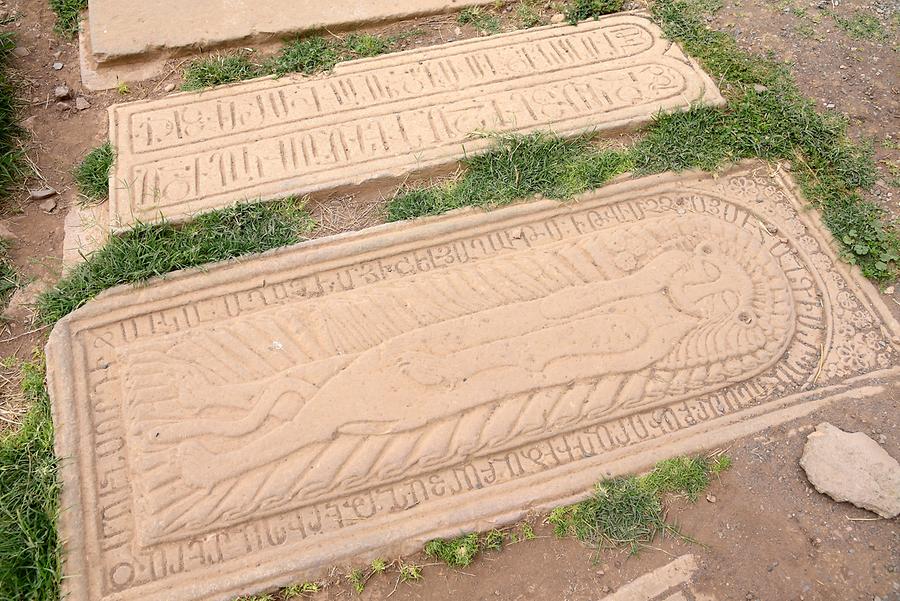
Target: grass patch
[
  {"x": 518, "y": 167},
  {"x": 92, "y": 175},
  {"x": 309, "y": 55},
  {"x": 218, "y": 70},
  {"x": 579, "y": 10},
  {"x": 528, "y": 14},
  {"x": 766, "y": 118},
  {"x": 29, "y": 560},
  {"x": 151, "y": 250},
  {"x": 11, "y": 153},
  {"x": 630, "y": 512},
  {"x": 9, "y": 281},
  {"x": 68, "y": 13},
  {"x": 480, "y": 19},
  {"x": 861, "y": 26},
  {"x": 461, "y": 551}
]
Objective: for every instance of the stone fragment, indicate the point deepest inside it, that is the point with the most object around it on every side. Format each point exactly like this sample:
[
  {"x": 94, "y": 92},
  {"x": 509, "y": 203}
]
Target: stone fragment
[
  {"x": 42, "y": 193},
  {"x": 62, "y": 92},
  {"x": 380, "y": 119},
  {"x": 169, "y": 87},
  {"x": 557, "y": 18},
  {"x": 48, "y": 205},
  {"x": 57, "y": 66},
  {"x": 82, "y": 103},
  {"x": 21, "y": 51},
  {"x": 20, "y": 308},
  {"x": 851, "y": 467},
  {"x": 6, "y": 234},
  {"x": 85, "y": 231},
  {"x": 63, "y": 106},
  {"x": 354, "y": 396}
]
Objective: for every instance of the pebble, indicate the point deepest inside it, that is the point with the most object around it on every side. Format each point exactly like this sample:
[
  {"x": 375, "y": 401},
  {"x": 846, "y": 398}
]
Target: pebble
[
  {"x": 82, "y": 104},
  {"x": 63, "y": 106},
  {"x": 48, "y": 205},
  {"x": 62, "y": 92},
  {"x": 889, "y": 290},
  {"x": 557, "y": 18},
  {"x": 42, "y": 193},
  {"x": 711, "y": 498},
  {"x": 759, "y": 88},
  {"x": 58, "y": 66},
  {"x": 21, "y": 51},
  {"x": 169, "y": 87},
  {"x": 829, "y": 105}
]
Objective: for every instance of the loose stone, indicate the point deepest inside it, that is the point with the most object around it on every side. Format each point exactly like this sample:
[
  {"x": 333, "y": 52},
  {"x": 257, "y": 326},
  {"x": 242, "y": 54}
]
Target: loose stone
[{"x": 42, "y": 193}]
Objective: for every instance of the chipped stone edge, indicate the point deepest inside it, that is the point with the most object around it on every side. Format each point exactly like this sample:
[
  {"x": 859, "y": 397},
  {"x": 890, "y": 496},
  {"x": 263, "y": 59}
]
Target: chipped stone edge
[
  {"x": 381, "y": 181},
  {"x": 274, "y": 570}
]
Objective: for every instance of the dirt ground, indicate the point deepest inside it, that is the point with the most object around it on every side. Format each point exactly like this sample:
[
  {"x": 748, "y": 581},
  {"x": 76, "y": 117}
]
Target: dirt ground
[{"x": 768, "y": 535}]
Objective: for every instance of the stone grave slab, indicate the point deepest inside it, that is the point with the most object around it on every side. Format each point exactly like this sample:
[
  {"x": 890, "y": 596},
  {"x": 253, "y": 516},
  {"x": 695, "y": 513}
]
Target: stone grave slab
[
  {"x": 249, "y": 425},
  {"x": 126, "y": 29},
  {"x": 384, "y": 118}
]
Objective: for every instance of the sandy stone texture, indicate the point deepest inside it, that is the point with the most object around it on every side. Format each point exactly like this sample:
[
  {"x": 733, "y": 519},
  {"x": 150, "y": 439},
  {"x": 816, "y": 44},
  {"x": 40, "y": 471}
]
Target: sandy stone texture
[
  {"x": 249, "y": 425},
  {"x": 121, "y": 30},
  {"x": 854, "y": 468},
  {"x": 385, "y": 118}
]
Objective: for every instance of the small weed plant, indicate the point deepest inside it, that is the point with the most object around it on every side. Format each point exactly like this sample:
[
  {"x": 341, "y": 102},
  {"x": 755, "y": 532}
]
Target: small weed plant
[
  {"x": 68, "y": 14},
  {"x": 579, "y": 10},
  {"x": 629, "y": 512},
  {"x": 12, "y": 156}
]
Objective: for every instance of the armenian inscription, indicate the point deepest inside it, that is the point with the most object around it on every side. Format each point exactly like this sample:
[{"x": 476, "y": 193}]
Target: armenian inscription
[
  {"x": 268, "y": 418},
  {"x": 386, "y": 117}
]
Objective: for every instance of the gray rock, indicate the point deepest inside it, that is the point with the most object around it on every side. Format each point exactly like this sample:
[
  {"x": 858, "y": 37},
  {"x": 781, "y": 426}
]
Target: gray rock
[
  {"x": 82, "y": 104},
  {"x": 853, "y": 468},
  {"x": 62, "y": 92},
  {"x": 21, "y": 51},
  {"x": 57, "y": 66},
  {"x": 48, "y": 205},
  {"x": 42, "y": 193},
  {"x": 557, "y": 18},
  {"x": 169, "y": 87},
  {"x": 63, "y": 106}
]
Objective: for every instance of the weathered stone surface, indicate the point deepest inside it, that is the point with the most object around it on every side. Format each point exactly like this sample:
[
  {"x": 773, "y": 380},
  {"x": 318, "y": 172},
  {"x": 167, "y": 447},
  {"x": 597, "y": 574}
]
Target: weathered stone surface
[
  {"x": 86, "y": 230},
  {"x": 383, "y": 118},
  {"x": 20, "y": 308},
  {"x": 852, "y": 468},
  {"x": 253, "y": 423}
]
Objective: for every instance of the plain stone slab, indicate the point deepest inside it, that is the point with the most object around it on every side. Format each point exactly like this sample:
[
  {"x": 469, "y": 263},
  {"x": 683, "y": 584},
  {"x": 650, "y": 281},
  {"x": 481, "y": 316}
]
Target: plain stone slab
[
  {"x": 851, "y": 467},
  {"x": 250, "y": 424},
  {"x": 122, "y": 29},
  {"x": 86, "y": 230},
  {"x": 382, "y": 119}
]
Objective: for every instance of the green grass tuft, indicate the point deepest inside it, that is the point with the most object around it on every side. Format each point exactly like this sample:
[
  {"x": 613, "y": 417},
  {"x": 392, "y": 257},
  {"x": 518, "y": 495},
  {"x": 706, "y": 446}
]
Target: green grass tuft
[
  {"x": 68, "y": 13},
  {"x": 579, "y": 10},
  {"x": 861, "y": 26},
  {"x": 151, "y": 250},
  {"x": 520, "y": 166},
  {"x": 480, "y": 19},
  {"x": 92, "y": 175},
  {"x": 306, "y": 55},
  {"x": 218, "y": 70},
  {"x": 9, "y": 281},
  {"x": 629, "y": 512},
  {"x": 12, "y": 156},
  {"x": 528, "y": 14},
  {"x": 29, "y": 560},
  {"x": 458, "y": 552}
]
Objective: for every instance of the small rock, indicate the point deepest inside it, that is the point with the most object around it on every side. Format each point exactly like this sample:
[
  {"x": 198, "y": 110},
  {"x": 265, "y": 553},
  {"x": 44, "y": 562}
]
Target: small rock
[
  {"x": 42, "y": 193},
  {"x": 48, "y": 205},
  {"x": 63, "y": 106},
  {"x": 772, "y": 566},
  {"x": 62, "y": 92},
  {"x": 557, "y": 18},
  {"x": 760, "y": 88},
  {"x": 57, "y": 66},
  {"x": 20, "y": 304},
  {"x": 889, "y": 290},
  {"x": 852, "y": 467},
  {"x": 82, "y": 104},
  {"x": 21, "y": 51},
  {"x": 829, "y": 105},
  {"x": 169, "y": 87},
  {"x": 457, "y": 31},
  {"x": 711, "y": 498}
]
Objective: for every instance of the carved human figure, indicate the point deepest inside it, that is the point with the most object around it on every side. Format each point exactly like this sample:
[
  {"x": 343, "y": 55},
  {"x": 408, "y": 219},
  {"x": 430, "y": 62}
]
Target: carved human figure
[{"x": 616, "y": 326}]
